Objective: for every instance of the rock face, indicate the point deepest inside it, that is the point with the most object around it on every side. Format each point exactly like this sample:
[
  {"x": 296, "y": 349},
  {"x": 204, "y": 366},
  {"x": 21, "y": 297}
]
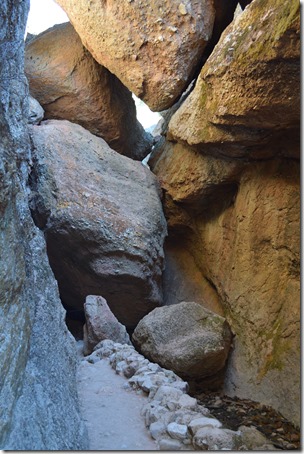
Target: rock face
[
  {"x": 227, "y": 117},
  {"x": 71, "y": 85},
  {"x": 153, "y": 47},
  {"x": 101, "y": 324},
  {"x": 186, "y": 338},
  {"x": 102, "y": 218},
  {"x": 38, "y": 399},
  {"x": 238, "y": 216}
]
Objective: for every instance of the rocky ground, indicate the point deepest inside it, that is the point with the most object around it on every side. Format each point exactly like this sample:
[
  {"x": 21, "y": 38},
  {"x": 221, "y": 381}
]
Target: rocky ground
[
  {"x": 234, "y": 412},
  {"x": 146, "y": 407}
]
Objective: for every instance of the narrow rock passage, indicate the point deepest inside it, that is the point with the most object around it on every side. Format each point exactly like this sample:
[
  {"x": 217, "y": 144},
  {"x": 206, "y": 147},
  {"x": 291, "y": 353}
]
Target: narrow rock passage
[{"x": 111, "y": 413}]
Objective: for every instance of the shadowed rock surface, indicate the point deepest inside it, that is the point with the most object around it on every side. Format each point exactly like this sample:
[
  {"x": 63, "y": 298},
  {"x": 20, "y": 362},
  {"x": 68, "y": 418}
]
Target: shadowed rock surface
[
  {"x": 71, "y": 85},
  {"x": 102, "y": 218},
  {"x": 38, "y": 399}
]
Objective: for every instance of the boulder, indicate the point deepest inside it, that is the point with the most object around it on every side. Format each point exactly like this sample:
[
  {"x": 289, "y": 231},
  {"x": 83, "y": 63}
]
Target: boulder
[
  {"x": 39, "y": 407},
  {"x": 248, "y": 92},
  {"x": 102, "y": 218},
  {"x": 101, "y": 324},
  {"x": 71, "y": 85},
  {"x": 36, "y": 112},
  {"x": 154, "y": 48},
  {"x": 193, "y": 180},
  {"x": 186, "y": 338}
]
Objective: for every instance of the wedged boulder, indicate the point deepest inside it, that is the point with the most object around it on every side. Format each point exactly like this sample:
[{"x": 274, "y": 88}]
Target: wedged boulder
[
  {"x": 248, "y": 92},
  {"x": 193, "y": 180},
  {"x": 102, "y": 218},
  {"x": 186, "y": 338},
  {"x": 71, "y": 85},
  {"x": 153, "y": 47},
  {"x": 36, "y": 112},
  {"x": 101, "y": 324}
]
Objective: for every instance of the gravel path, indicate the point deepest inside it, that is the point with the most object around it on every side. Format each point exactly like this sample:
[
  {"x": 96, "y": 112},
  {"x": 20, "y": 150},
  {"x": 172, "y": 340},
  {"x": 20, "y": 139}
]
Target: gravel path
[{"x": 111, "y": 413}]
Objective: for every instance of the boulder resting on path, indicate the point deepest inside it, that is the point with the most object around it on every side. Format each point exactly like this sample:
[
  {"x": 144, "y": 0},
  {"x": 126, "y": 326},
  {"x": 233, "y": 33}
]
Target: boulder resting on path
[{"x": 186, "y": 338}]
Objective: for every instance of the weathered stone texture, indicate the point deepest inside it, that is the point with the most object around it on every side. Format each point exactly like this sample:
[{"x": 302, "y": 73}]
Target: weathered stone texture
[
  {"x": 186, "y": 338},
  {"x": 103, "y": 221},
  {"x": 101, "y": 324},
  {"x": 239, "y": 217},
  {"x": 250, "y": 253},
  {"x": 249, "y": 89},
  {"x": 71, "y": 85},
  {"x": 153, "y": 47},
  {"x": 38, "y": 400}
]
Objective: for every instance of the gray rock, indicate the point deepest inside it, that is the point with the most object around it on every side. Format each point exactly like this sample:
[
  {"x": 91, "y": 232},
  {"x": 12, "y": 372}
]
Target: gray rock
[
  {"x": 101, "y": 324},
  {"x": 253, "y": 439},
  {"x": 187, "y": 402},
  {"x": 36, "y": 112},
  {"x": 157, "y": 429},
  {"x": 186, "y": 338},
  {"x": 215, "y": 438},
  {"x": 177, "y": 431},
  {"x": 39, "y": 407},
  {"x": 102, "y": 218},
  {"x": 201, "y": 422},
  {"x": 166, "y": 444}
]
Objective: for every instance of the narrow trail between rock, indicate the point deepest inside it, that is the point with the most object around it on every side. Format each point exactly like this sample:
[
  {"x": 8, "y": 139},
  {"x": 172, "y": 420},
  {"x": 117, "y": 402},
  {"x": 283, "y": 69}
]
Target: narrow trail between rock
[{"x": 111, "y": 412}]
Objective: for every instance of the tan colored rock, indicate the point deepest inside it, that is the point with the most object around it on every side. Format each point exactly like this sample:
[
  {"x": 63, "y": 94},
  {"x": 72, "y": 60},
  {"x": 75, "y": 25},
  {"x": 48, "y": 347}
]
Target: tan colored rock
[
  {"x": 193, "y": 180},
  {"x": 153, "y": 47},
  {"x": 250, "y": 253},
  {"x": 102, "y": 218},
  {"x": 185, "y": 338},
  {"x": 248, "y": 92},
  {"x": 71, "y": 85}
]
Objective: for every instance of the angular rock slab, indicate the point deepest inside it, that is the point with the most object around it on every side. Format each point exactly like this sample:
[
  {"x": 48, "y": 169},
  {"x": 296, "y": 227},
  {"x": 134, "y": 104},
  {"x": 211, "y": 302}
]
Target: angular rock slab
[
  {"x": 71, "y": 85},
  {"x": 153, "y": 47},
  {"x": 186, "y": 338},
  {"x": 101, "y": 324},
  {"x": 103, "y": 221},
  {"x": 248, "y": 92}
]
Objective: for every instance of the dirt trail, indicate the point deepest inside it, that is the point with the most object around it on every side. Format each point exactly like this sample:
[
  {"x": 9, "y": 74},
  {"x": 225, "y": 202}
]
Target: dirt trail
[{"x": 111, "y": 413}]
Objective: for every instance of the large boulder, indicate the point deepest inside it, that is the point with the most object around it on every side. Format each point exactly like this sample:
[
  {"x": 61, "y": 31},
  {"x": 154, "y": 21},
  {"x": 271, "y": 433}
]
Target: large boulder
[
  {"x": 186, "y": 338},
  {"x": 248, "y": 92},
  {"x": 102, "y": 218},
  {"x": 39, "y": 408},
  {"x": 153, "y": 47},
  {"x": 71, "y": 85},
  {"x": 101, "y": 324}
]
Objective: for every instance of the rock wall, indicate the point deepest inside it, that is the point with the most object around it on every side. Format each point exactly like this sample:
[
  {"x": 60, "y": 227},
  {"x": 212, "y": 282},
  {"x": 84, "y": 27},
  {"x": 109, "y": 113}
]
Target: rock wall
[
  {"x": 38, "y": 400},
  {"x": 231, "y": 176}
]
